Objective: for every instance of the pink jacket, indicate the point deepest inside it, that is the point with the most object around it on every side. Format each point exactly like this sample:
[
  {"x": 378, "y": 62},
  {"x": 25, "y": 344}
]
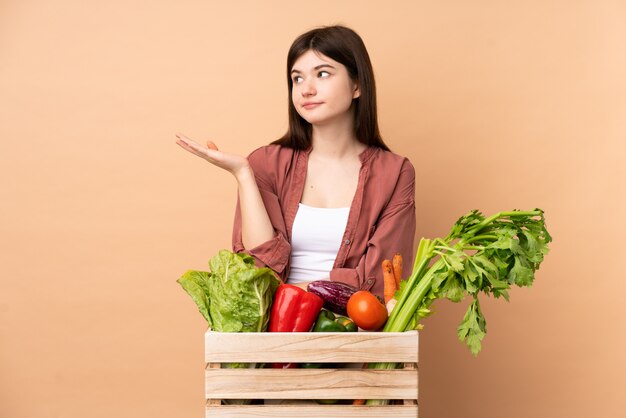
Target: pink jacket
[{"x": 381, "y": 221}]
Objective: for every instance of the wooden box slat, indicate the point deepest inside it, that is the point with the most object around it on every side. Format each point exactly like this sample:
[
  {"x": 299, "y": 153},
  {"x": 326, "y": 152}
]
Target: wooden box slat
[
  {"x": 302, "y": 384},
  {"x": 311, "y": 384},
  {"x": 312, "y": 411},
  {"x": 312, "y": 347}
]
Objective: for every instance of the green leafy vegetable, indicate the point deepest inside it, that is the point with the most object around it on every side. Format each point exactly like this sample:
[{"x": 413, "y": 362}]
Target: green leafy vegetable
[
  {"x": 479, "y": 255},
  {"x": 196, "y": 284},
  {"x": 235, "y": 296}
]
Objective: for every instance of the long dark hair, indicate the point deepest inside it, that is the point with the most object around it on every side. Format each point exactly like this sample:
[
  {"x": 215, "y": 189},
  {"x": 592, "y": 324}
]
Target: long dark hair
[{"x": 345, "y": 46}]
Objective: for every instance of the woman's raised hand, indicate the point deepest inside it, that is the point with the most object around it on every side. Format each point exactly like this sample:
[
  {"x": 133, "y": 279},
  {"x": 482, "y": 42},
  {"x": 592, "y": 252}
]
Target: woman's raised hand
[
  {"x": 233, "y": 163},
  {"x": 256, "y": 226}
]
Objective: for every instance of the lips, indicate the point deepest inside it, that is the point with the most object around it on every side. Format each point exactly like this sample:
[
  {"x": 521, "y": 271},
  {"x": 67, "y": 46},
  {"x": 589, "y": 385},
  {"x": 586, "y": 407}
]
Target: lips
[{"x": 311, "y": 105}]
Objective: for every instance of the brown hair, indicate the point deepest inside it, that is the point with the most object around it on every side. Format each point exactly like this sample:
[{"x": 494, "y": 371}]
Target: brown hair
[{"x": 345, "y": 46}]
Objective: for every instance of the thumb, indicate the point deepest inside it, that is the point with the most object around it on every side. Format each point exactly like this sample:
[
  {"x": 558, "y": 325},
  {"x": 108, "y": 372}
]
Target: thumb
[{"x": 211, "y": 145}]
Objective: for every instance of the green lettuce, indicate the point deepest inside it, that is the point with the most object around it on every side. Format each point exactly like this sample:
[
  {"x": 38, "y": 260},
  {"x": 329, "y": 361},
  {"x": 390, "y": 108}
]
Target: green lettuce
[{"x": 235, "y": 296}]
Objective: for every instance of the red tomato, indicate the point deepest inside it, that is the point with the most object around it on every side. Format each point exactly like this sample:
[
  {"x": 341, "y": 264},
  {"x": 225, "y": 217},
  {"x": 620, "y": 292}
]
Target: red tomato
[{"x": 366, "y": 310}]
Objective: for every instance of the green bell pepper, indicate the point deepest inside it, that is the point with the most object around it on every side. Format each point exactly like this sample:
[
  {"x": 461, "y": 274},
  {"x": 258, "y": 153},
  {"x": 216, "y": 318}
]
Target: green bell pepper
[{"x": 328, "y": 322}]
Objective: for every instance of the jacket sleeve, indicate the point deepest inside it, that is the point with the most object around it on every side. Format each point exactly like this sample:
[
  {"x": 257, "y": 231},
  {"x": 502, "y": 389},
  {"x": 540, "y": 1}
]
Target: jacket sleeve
[
  {"x": 274, "y": 253},
  {"x": 394, "y": 232}
]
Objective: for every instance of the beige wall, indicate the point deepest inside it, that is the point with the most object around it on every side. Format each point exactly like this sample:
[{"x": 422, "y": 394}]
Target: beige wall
[{"x": 499, "y": 104}]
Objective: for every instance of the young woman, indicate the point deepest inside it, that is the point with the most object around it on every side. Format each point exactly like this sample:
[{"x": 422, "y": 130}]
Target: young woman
[{"x": 328, "y": 200}]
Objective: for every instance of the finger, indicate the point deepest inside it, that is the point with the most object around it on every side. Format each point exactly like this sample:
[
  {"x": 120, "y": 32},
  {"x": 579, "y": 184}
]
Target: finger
[
  {"x": 208, "y": 153},
  {"x": 183, "y": 138},
  {"x": 199, "y": 150},
  {"x": 196, "y": 148},
  {"x": 191, "y": 145},
  {"x": 185, "y": 144}
]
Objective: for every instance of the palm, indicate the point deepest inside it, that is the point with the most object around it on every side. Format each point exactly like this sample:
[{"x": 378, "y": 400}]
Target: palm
[{"x": 230, "y": 162}]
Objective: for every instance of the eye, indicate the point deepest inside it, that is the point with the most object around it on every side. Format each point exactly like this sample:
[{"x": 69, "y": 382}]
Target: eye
[
  {"x": 297, "y": 79},
  {"x": 323, "y": 72}
]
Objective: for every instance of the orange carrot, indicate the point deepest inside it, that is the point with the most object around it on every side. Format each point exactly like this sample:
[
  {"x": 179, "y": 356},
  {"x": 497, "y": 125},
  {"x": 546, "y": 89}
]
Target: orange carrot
[
  {"x": 389, "y": 280},
  {"x": 397, "y": 268}
]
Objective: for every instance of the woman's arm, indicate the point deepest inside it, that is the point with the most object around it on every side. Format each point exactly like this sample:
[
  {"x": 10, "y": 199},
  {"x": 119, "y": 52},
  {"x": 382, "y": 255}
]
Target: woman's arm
[
  {"x": 255, "y": 223},
  {"x": 256, "y": 226},
  {"x": 273, "y": 253},
  {"x": 394, "y": 232}
]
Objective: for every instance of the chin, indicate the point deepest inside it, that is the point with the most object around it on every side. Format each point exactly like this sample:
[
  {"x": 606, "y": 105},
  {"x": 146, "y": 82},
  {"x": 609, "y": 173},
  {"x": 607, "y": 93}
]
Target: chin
[
  {"x": 309, "y": 119},
  {"x": 313, "y": 121},
  {"x": 316, "y": 120}
]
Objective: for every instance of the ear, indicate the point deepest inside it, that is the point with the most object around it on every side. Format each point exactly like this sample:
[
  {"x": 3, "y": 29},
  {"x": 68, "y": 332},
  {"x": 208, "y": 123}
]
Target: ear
[{"x": 356, "y": 91}]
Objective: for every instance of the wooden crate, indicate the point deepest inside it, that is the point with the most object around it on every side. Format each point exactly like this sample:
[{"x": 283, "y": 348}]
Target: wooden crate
[{"x": 311, "y": 347}]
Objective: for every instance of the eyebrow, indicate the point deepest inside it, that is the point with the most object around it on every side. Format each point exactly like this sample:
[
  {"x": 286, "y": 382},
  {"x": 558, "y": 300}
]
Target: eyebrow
[{"x": 316, "y": 68}]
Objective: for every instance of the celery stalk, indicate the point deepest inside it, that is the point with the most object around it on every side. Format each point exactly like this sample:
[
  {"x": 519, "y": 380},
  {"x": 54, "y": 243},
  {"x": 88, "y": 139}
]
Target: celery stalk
[{"x": 478, "y": 255}]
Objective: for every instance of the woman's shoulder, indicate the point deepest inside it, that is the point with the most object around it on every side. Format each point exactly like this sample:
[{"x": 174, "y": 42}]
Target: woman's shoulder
[
  {"x": 391, "y": 161},
  {"x": 271, "y": 151},
  {"x": 271, "y": 160},
  {"x": 393, "y": 177}
]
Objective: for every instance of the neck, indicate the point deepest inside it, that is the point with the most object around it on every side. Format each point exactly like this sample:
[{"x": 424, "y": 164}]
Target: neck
[{"x": 336, "y": 140}]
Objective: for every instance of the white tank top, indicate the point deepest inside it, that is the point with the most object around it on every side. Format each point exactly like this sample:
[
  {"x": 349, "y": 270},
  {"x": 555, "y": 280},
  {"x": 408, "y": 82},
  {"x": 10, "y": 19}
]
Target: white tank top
[{"x": 315, "y": 240}]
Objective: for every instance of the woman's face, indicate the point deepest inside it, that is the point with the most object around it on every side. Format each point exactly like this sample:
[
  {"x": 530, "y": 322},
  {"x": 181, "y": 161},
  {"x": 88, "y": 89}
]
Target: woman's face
[{"x": 322, "y": 90}]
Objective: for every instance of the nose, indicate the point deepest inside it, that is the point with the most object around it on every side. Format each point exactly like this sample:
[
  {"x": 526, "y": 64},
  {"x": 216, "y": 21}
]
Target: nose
[{"x": 308, "y": 88}]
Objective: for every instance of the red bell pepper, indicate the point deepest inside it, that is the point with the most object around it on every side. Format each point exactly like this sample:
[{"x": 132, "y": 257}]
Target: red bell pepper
[{"x": 294, "y": 310}]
